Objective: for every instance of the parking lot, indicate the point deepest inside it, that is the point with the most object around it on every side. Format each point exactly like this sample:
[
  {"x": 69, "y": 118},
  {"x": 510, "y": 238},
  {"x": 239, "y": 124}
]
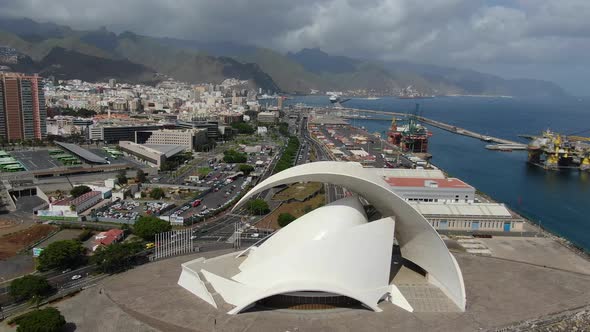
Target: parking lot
[
  {"x": 130, "y": 210},
  {"x": 225, "y": 183},
  {"x": 36, "y": 160}
]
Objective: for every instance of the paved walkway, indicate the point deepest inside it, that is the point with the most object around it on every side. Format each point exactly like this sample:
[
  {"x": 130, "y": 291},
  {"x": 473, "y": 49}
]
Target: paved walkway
[{"x": 499, "y": 293}]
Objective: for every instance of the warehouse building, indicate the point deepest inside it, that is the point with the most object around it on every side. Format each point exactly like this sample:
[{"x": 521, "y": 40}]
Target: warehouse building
[{"x": 485, "y": 217}]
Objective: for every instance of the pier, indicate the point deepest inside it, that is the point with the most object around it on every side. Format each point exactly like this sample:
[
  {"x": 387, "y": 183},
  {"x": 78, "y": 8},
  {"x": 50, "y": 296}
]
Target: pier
[{"x": 356, "y": 114}]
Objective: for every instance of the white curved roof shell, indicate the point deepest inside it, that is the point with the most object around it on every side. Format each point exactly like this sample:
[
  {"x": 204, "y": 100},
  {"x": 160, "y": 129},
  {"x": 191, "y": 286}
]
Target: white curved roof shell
[{"x": 333, "y": 249}]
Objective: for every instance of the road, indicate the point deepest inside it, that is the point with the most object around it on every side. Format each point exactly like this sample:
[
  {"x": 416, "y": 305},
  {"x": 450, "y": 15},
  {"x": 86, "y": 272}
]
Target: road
[
  {"x": 333, "y": 192},
  {"x": 59, "y": 281}
]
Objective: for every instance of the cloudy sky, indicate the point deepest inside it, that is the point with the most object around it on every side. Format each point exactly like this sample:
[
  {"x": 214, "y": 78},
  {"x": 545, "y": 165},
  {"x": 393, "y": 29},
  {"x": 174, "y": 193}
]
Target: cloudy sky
[{"x": 547, "y": 39}]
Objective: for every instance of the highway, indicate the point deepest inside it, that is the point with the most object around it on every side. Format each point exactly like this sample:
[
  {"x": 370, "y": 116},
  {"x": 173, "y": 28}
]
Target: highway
[
  {"x": 333, "y": 192},
  {"x": 62, "y": 282}
]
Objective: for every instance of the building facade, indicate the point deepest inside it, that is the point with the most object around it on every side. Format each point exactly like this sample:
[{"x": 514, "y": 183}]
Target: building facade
[
  {"x": 268, "y": 117},
  {"x": 189, "y": 138},
  {"x": 114, "y": 134},
  {"x": 483, "y": 217},
  {"x": 449, "y": 190},
  {"x": 152, "y": 154},
  {"x": 22, "y": 107}
]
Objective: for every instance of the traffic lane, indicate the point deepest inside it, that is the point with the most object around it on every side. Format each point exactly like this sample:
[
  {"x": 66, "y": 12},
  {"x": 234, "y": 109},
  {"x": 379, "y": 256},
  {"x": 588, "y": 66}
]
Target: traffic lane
[
  {"x": 63, "y": 278},
  {"x": 215, "y": 199},
  {"x": 58, "y": 277}
]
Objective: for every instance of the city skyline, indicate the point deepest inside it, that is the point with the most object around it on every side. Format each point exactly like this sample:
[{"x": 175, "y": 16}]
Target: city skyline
[{"x": 531, "y": 39}]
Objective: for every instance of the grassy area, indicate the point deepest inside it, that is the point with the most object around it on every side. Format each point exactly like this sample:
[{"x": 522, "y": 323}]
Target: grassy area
[
  {"x": 203, "y": 171},
  {"x": 298, "y": 191},
  {"x": 297, "y": 209}
]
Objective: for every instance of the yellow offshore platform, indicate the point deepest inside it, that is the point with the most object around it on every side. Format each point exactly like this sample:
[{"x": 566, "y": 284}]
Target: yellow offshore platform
[{"x": 554, "y": 151}]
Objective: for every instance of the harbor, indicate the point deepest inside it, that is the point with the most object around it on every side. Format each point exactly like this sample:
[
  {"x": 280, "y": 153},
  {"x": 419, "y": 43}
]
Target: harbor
[
  {"x": 538, "y": 195},
  {"x": 350, "y": 113},
  {"x": 550, "y": 150}
]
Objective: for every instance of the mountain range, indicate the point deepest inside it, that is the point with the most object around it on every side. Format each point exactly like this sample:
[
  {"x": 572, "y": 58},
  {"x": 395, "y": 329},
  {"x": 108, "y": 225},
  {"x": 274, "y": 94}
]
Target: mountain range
[{"x": 98, "y": 55}]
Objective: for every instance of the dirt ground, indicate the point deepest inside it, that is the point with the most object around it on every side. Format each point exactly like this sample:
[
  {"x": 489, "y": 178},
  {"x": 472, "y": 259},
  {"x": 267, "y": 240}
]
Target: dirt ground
[
  {"x": 12, "y": 243},
  {"x": 297, "y": 209},
  {"x": 14, "y": 221}
]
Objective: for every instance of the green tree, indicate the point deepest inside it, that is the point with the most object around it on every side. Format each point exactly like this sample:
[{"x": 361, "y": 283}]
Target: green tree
[
  {"x": 157, "y": 193},
  {"x": 147, "y": 227},
  {"x": 140, "y": 176},
  {"x": 85, "y": 235},
  {"x": 243, "y": 128},
  {"x": 284, "y": 128},
  {"x": 285, "y": 219},
  {"x": 79, "y": 191},
  {"x": 233, "y": 156},
  {"x": 246, "y": 169},
  {"x": 62, "y": 254},
  {"x": 43, "y": 320},
  {"x": 30, "y": 287},
  {"x": 116, "y": 257},
  {"x": 258, "y": 206},
  {"x": 288, "y": 157},
  {"x": 122, "y": 177}
]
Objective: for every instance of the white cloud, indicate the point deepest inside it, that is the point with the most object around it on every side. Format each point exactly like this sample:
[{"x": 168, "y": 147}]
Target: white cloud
[{"x": 454, "y": 32}]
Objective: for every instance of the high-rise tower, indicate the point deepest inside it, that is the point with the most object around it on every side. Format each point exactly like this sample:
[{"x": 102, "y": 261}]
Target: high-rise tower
[{"x": 22, "y": 107}]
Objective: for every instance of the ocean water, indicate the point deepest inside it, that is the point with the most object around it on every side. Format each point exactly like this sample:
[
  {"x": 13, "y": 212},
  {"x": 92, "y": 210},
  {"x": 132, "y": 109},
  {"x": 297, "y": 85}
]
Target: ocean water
[{"x": 558, "y": 200}]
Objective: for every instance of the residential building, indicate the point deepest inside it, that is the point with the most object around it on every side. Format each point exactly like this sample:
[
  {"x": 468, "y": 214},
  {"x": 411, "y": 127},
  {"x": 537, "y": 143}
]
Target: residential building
[
  {"x": 107, "y": 238},
  {"x": 22, "y": 107}
]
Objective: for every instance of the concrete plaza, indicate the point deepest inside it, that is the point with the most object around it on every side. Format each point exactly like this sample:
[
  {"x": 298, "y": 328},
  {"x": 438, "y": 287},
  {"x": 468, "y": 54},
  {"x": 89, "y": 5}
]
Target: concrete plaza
[{"x": 500, "y": 293}]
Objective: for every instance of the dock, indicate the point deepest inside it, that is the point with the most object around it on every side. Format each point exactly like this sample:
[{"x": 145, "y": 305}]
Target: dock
[{"x": 363, "y": 114}]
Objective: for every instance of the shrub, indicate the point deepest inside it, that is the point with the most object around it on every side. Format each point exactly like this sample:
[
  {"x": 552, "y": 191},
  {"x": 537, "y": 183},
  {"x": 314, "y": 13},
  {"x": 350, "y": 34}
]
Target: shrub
[
  {"x": 285, "y": 219},
  {"x": 85, "y": 235},
  {"x": 43, "y": 320},
  {"x": 157, "y": 193},
  {"x": 79, "y": 191}
]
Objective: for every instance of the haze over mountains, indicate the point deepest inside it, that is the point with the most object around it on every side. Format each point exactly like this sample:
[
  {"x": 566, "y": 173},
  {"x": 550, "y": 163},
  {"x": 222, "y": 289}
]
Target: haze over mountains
[{"x": 57, "y": 50}]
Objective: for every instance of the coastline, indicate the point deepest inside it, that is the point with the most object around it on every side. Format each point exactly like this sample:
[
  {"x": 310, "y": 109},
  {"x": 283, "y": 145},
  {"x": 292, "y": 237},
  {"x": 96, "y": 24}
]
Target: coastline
[{"x": 529, "y": 223}]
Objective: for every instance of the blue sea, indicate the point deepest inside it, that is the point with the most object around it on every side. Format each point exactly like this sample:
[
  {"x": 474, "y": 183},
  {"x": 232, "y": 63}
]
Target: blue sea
[{"x": 558, "y": 200}]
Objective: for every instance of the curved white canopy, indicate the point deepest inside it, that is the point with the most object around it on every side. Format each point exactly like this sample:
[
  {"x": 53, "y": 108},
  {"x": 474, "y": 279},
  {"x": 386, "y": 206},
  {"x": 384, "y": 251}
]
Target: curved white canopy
[{"x": 418, "y": 240}]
